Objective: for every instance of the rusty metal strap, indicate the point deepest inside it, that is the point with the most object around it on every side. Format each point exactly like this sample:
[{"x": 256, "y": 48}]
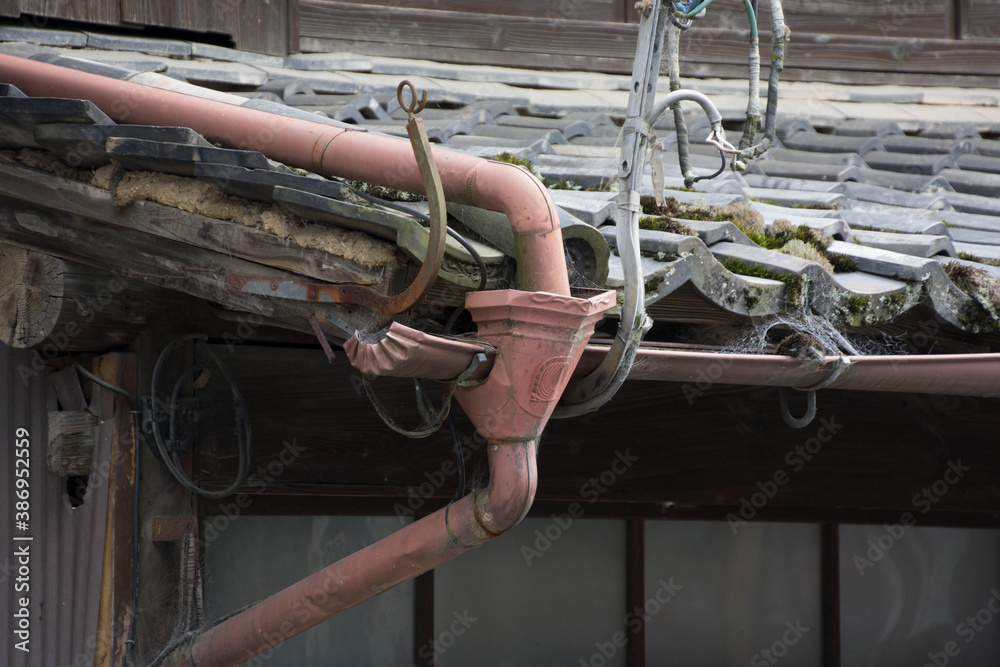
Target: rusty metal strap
[{"x": 366, "y": 296}]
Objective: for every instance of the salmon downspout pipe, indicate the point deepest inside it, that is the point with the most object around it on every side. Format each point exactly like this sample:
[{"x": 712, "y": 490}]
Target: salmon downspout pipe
[
  {"x": 325, "y": 149},
  {"x": 396, "y": 559},
  {"x": 541, "y": 334}
]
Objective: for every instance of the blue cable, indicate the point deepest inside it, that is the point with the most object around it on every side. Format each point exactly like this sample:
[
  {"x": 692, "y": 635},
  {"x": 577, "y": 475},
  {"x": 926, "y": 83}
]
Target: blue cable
[{"x": 751, "y": 15}]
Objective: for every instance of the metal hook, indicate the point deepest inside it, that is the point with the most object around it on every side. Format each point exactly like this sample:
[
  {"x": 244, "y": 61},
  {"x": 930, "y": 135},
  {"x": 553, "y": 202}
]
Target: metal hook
[
  {"x": 807, "y": 418},
  {"x": 414, "y": 107}
]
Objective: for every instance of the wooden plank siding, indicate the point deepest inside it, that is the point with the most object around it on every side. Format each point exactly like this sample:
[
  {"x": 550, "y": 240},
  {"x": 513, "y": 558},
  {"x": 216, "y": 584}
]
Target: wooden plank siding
[
  {"x": 580, "y": 10},
  {"x": 699, "y": 458},
  {"x": 846, "y": 41},
  {"x": 979, "y": 19},
  {"x": 262, "y": 26},
  {"x": 216, "y": 15},
  {"x": 840, "y": 17},
  {"x": 89, "y": 11}
]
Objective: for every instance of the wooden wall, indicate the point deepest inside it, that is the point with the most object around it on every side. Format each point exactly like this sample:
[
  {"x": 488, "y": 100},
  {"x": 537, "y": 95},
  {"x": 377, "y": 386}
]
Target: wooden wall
[
  {"x": 264, "y": 26},
  {"x": 320, "y": 447},
  {"x": 944, "y": 42},
  {"x": 932, "y": 42}
]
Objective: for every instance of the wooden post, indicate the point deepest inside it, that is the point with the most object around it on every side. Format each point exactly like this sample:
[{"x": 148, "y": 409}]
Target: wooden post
[
  {"x": 72, "y": 435},
  {"x": 635, "y": 588},
  {"x": 115, "y": 616}
]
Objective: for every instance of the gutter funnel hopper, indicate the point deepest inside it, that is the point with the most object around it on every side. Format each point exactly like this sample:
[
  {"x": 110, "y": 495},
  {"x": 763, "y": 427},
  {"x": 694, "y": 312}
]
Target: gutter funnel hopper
[{"x": 539, "y": 337}]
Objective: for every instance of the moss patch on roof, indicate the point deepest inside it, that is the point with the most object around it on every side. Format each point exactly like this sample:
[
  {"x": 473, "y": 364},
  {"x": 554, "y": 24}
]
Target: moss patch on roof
[
  {"x": 793, "y": 283},
  {"x": 664, "y": 224},
  {"x": 982, "y": 309},
  {"x": 968, "y": 256},
  {"x": 382, "y": 192}
]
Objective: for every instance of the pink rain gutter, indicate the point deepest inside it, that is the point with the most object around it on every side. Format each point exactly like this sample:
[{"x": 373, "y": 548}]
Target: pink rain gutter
[
  {"x": 956, "y": 374},
  {"x": 325, "y": 149},
  {"x": 405, "y": 352}
]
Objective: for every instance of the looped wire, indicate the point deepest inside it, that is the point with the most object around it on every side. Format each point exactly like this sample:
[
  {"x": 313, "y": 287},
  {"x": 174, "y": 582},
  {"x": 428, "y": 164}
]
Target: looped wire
[
  {"x": 415, "y": 106},
  {"x": 840, "y": 365},
  {"x": 433, "y": 420},
  {"x": 803, "y": 421}
]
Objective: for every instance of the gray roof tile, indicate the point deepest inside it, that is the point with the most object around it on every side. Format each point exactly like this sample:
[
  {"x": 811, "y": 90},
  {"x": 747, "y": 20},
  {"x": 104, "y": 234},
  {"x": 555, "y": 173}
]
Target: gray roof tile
[
  {"x": 918, "y": 245},
  {"x": 886, "y": 262},
  {"x": 20, "y": 115},
  {"x": 949, "y": 131},
  {"x": 867, "y": 284},
  {"x": 926, "y": 145},
  {"x": 235, "y": 74},
  {"x": 892, "y": 223},
  {"x": 803, "y": 170},
  {"x": 990, "y": 165},
  {"x": 158, "y": 47},
  {"x": 979, "y": 250},
  {"x": 909, "y": 163},
  {"x": 973, "y": 182},
  {"x": 868, "y": 128},
  {"x": 962, "y": 235},
  {"x": 483, "y": 110},
  {"x": 990, "y": 147},
  {"x": 200, "y": 50},
  {"x": 918, "y": 183},
  {"x": 829, "y": 143},
  {"x": 328, "y": 62},
  {"x": 9, "y": 33}
]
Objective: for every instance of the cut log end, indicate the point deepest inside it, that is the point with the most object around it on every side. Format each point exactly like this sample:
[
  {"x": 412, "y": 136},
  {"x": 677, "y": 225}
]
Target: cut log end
[{"x": 31, "y": 295}]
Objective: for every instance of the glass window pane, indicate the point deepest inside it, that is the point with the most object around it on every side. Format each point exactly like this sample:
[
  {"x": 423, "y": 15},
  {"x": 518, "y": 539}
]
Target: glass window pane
[
  {"x": 919, "y": 596},
  {"x": 250, "y": 558},
  {"x": 546, "y": 593},
  {"x": 746, "y": 598}
]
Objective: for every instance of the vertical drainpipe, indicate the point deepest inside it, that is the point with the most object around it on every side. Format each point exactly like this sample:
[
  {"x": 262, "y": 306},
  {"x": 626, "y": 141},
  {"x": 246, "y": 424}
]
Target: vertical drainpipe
[
  {"x": 539, "y": 338},
  {"x": 540, "y": 335}
]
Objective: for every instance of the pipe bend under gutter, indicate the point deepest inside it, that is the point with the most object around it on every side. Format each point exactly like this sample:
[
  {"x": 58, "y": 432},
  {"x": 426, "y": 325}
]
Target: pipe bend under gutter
[
  {"x": 467, "y": 179},
  {"x": 403, "y": 555},
  {"x": 335, "y": 151}
]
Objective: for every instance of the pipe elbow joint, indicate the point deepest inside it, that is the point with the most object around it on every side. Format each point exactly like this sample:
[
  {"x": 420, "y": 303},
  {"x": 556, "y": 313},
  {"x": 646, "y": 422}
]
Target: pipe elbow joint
[
  {"x": 518, "y": 193},
  {"x": 496, "y": 513},
  {"x": 490, "y": 512}
]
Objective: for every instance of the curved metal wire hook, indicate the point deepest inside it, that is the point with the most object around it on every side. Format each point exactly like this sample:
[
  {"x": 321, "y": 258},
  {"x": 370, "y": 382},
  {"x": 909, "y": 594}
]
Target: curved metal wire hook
[
  {"x": 414, "y": 107},
  {"x": 807, "y": 418},
  {"x": 840, "y": 365}
]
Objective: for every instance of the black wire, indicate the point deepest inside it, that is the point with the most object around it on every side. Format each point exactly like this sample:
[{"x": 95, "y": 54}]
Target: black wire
[
  {"x": 721, "y": 169},
  {"x": 104, "y": 383},
  {"x": 244, "y": 437},
  {"x": 426, "y": 218},
  {"x": 460, "y": 455}
]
